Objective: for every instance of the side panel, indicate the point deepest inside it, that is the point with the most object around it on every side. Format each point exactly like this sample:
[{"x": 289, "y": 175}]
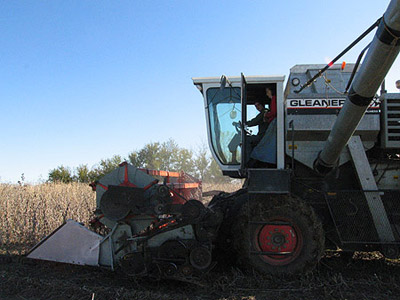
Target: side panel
[
  {"x": 314, "y": 112},
  {"x": 390, "y": 135},
  {"x": 70, "y": 243},
  {"x": 268, "y": 181}
]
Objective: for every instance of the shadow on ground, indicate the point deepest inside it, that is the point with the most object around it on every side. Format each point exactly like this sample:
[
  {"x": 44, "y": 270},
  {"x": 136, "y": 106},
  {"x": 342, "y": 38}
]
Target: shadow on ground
[{"x": 366, "y": 276}]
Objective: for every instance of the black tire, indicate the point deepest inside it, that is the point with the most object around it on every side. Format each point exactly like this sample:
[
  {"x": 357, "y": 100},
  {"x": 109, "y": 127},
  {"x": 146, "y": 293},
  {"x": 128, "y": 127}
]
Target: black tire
[
  {"x": 293, "y": 228},
  {"x": 229, "y": 204}
]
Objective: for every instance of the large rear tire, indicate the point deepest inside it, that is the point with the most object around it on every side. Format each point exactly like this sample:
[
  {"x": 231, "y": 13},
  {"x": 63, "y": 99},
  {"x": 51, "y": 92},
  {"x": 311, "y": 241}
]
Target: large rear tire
[{"x": 284, "y": 229}]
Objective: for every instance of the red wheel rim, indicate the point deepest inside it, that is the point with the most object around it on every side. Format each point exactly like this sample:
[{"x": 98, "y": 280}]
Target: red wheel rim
[{"x": 280, "y": 239}]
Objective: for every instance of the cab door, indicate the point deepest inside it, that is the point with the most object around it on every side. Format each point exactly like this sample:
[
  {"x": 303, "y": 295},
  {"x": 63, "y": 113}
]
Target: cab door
[{"x": 243, "y": 100}]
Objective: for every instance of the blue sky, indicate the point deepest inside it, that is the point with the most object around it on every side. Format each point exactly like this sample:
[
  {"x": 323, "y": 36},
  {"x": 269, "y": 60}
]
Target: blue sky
[{"x": 83, "y": 80}]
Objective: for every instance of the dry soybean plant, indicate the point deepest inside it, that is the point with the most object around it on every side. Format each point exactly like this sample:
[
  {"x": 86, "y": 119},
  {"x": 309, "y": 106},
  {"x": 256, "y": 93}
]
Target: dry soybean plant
[{"x": 30, "y": 212}]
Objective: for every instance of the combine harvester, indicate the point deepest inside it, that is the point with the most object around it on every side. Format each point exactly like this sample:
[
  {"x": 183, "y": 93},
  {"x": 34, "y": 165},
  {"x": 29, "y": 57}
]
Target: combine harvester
[{"x": 330, "y": 181}]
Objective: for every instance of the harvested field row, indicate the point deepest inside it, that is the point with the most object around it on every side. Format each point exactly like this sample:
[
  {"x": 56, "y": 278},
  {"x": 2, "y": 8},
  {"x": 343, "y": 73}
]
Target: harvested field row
[{"x": 364, "y": 277}]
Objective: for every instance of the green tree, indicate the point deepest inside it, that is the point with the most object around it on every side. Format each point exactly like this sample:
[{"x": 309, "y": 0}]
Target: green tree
[
  {"x": 213, "y": 174},
  {"x": 84, "y": 174},
  {"x": 106, "y": 166},
  {"x": 147, "y": 157},
  {"x": 168, "y": 155},
  {"x": 202, "y": 161},
  {"x": 135, "y": 160},
  {"x": 185, "y": 161},
  {"x": 60, "y": 174}
]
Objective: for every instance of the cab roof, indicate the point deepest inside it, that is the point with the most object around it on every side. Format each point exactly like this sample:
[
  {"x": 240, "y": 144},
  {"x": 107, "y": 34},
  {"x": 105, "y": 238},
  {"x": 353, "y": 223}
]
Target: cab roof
[{"x": 236, "y": 79}]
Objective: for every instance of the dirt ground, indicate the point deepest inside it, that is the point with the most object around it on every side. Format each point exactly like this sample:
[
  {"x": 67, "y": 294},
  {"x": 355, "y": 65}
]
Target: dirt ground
[{"x": 365, "y": 276}]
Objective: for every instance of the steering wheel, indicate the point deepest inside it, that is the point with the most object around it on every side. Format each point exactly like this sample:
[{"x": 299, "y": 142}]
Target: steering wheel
[{"x": 239, "y": 127}]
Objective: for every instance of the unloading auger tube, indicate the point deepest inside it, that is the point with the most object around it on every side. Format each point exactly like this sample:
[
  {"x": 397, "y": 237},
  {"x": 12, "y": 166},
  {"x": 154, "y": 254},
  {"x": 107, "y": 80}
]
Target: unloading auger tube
[{"x": 380, "y": 57}]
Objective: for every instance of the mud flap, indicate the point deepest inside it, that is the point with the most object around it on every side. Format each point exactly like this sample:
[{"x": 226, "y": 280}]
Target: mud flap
[{"x": 70, "y": 243}]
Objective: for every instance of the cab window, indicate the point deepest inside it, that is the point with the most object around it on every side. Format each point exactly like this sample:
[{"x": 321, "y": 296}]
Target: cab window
[{"x": 224, "y": 115}]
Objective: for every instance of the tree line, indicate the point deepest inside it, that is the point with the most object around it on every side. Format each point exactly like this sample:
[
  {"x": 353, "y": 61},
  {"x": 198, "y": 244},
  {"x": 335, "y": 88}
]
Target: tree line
[{"x": 167, "y": 156}]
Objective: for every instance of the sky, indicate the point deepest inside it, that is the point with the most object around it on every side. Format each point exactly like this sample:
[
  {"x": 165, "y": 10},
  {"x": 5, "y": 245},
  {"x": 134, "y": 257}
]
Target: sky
[{"x": 81, "y": 81}]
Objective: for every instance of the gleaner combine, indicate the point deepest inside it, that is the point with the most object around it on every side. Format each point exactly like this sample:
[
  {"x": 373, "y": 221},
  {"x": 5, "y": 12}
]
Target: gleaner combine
[{"x": 334, "y": 182}]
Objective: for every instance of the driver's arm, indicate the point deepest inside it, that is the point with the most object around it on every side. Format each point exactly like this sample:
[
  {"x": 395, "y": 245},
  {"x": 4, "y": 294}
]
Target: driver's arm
[{"x": 256, "y": 121}]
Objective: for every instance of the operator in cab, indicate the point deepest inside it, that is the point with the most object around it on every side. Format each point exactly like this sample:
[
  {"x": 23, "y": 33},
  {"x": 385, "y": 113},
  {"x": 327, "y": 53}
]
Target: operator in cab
[
  {"x": 258, "y": 121},
  {"x": 265, "y": 150},
  {"x": 253, "y": 140}
]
